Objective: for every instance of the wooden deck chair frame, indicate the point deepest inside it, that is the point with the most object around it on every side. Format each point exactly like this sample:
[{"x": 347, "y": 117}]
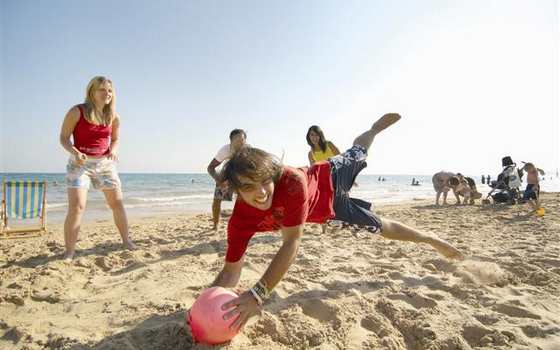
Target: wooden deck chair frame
[{"x": 6, "y": 232}]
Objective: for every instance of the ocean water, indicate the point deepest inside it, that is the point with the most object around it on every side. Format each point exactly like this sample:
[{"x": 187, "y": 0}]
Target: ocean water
[{"x": 149, "y": 194}]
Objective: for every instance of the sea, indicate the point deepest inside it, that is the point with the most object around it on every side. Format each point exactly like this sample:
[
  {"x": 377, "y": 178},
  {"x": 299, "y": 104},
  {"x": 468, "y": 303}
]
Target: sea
[{"x": 153, "y": 194}]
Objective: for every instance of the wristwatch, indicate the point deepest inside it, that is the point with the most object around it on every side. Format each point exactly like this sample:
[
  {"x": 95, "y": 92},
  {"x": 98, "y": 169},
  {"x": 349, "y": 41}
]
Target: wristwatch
[{"x": 260, "y": 292}]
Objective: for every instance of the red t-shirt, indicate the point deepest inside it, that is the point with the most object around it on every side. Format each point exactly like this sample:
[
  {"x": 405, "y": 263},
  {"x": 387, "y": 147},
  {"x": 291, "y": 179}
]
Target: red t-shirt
[{"x": 300, "y": 195}]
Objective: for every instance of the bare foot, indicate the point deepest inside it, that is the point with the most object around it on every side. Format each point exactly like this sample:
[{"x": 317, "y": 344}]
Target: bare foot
[
  {"x": 385, "y": 121},
  {"x": 129, "y": 245},
  {"x": 69, "y": 256},
  {"x": 446, "y": 249}
]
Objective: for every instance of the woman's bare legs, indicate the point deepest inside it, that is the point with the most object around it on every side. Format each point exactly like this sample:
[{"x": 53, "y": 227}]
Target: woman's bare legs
[
  {"x": 114, "y": 201},
  {"x": 77, "y": 198}
]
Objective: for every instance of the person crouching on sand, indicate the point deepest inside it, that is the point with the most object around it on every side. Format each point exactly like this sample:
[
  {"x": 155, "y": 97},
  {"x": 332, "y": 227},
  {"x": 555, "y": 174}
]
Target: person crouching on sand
[{"x": 272, "y": 196}]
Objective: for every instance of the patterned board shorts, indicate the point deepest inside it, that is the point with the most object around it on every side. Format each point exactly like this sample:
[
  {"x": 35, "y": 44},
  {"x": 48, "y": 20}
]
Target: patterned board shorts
[
  {"x": 101, "y": 172},
  {"x": 223, "y": 195},
  {"x": 345, "y": 167}
]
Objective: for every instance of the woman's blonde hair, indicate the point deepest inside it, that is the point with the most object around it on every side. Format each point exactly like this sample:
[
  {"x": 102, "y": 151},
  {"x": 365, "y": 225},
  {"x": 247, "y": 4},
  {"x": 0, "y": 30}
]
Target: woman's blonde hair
[{"x": 108, "y": 110}]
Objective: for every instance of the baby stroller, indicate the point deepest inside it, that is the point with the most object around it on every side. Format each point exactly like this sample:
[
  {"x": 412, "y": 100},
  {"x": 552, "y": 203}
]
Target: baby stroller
[{"x": 506, "y": 188}]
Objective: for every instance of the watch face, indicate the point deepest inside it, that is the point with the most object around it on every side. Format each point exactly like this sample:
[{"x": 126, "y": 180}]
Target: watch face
[{"x": 261, "y": 290}]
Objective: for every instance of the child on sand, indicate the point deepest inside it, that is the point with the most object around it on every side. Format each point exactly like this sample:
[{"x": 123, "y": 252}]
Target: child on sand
[
  {"x": 272, "y": 196},
  {"x": 532, "y": 191}
]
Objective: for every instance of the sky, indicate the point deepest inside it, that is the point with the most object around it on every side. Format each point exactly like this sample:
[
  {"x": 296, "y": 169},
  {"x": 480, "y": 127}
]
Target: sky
[{"x": 473, "y": 80}]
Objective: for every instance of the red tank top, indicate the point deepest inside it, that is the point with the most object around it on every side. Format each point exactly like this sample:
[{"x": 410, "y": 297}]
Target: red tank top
[{"x": 91, "y": 139}]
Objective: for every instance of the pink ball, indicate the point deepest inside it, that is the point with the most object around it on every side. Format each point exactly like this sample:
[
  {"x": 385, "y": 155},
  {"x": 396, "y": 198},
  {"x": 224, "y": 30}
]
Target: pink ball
[{"x": 206, "y": 317}]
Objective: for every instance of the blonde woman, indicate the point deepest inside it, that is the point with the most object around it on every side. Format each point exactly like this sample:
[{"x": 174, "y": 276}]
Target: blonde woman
[{"x": 94, "y": 128}]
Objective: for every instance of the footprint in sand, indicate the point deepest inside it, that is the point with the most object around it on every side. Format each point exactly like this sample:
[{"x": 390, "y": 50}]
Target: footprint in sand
[
  {"x": 415, "y": 300},
  {"x": 478, "y": 335},
  {"x": 319, "y": 310},
  {"x": 46, "y": 295},
  {"x": 533, "y": 331},
  {"x": 370, "y": 328},
  {"x": 487, "y": 319},
  {"x": 515, "y": 311}
]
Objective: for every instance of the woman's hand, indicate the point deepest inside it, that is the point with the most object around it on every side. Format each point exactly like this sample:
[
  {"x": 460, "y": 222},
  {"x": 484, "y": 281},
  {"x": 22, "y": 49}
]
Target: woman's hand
[
  {"x": 243, "y": 307},
  {"x": 113, "y": 156},
  {"x": 80, "y": 158}
]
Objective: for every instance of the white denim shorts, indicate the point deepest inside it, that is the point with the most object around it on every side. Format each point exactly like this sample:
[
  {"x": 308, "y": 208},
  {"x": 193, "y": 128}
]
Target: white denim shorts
[{"x": 101, "y": 172}]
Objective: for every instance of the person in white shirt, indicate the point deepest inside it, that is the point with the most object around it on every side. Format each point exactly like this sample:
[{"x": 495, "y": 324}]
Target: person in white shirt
[{"x": 223, "y": 191}]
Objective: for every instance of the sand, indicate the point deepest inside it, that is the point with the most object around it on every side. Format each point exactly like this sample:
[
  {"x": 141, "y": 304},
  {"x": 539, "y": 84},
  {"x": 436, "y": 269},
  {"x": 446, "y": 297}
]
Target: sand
[{"x": 347, "y": 289}]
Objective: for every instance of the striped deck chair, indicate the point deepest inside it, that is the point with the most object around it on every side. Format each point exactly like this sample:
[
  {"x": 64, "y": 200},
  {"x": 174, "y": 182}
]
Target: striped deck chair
[{"x": 23, "y": 200}]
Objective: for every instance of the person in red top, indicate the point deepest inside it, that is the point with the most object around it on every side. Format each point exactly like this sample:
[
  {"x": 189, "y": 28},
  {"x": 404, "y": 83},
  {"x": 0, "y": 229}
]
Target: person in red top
[
  {"x": 94, "y": 127},
  {"x": 276, "y": 197}
]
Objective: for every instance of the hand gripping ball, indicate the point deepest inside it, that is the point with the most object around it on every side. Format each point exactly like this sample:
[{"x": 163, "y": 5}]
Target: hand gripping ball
[{"x": 206, "y": 317}]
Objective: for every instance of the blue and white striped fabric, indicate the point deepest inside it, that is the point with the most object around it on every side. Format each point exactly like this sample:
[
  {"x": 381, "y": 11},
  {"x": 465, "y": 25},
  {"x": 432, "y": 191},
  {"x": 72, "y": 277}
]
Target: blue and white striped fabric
[{"x": 24, "y": 199}]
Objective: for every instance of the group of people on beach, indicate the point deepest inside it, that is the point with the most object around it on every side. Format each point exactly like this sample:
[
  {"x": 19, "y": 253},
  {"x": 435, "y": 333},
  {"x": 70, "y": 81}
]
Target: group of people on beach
[
  {"x": 464, "y": 186},
  {"x": 271, "y": 196}
]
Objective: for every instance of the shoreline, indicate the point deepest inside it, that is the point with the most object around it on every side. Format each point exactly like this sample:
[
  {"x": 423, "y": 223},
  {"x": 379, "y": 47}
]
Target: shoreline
[{"x": 101, "y": 216}]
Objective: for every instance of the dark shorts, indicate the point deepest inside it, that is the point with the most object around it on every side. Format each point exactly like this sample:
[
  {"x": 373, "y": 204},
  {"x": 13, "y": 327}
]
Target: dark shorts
[
  {"x": 345, "y": 167},
  {"x": 223, "y": 195},
  {"x": 531, "y": 192}
]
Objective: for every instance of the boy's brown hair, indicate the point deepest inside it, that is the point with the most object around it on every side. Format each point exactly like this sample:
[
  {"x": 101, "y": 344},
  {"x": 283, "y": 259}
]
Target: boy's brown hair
[{"x": 252, "y": 163}]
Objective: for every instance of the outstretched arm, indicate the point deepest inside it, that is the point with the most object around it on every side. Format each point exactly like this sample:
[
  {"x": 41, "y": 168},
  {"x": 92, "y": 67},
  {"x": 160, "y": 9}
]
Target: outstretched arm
[
  {"x": 246, "y": 305},
  {"x": 284, "y": 257}
]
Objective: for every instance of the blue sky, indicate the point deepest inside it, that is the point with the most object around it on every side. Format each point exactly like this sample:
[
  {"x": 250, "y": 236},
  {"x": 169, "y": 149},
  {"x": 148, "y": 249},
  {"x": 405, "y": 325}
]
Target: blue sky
[{"x": 473, "y": 80}]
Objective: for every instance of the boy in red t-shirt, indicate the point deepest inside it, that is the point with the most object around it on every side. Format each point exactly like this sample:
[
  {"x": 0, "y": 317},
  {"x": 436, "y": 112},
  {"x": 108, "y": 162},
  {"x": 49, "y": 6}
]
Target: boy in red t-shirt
[{"x": 276, "y": 197}]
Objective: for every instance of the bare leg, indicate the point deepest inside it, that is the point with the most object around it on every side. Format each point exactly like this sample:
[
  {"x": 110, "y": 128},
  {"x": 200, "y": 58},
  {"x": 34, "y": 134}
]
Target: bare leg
[
  {"x": 444, "y": 197},
  {"x": 397, "y": 231},
  {"x": 77, "y": 198},
  {"x": 534, "y": 204},
  {"x": 114, "y": 201},
  {"x": 438, "y": 194},
  {"x": 383, "y": 123},
  {"x": 216, "y": 208},
  {"x": 324, "y": 228}
]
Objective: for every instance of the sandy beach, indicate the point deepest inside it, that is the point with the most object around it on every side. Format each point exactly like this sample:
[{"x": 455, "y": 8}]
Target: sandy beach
[{"x": 347, "y": 289}]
